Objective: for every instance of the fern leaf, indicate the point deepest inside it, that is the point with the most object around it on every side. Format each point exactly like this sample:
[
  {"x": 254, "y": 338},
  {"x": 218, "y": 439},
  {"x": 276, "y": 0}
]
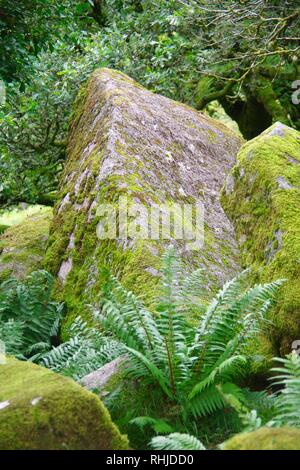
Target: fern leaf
[{"x": 176, "y": 441}]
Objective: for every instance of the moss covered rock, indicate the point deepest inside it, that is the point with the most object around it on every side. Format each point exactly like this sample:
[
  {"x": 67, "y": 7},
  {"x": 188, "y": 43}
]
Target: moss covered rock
[
  {"x": 265, "y": 439},
  {"x": 126, "y": 141},
  {"x": 42, "y": 410},
  {"x": 262, "y": 197},
  {"x": 22, "y": 246}
]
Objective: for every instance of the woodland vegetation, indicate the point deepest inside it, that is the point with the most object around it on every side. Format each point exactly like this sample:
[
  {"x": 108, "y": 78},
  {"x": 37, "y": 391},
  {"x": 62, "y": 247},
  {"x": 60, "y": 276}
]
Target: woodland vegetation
[{"x": 244, "y": 54}]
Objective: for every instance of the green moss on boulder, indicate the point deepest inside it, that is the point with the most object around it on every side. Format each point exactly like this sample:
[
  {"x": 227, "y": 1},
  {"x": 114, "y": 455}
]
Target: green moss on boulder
[
  {"x": 22, "y": 246},
  {"x": 127, "y": 141},
  {"x": 262, "y": 197},
  {"x": 42, "y": 410},
  {"x": 265, "y": 439}
]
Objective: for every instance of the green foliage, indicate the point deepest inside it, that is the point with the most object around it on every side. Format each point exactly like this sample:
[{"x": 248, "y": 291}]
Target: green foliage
[
  {"x": 37, "y": 40},
  {"x": 50, "y": 412},
  {"x": 28, "y": 316},
  {"x": 29, "y": 325},
  {"x": 188, "y": 51},
  {"x": 11, "y": 333},
  {"x": 187, "y": 362},
  {"x": 176, "y": 441},
  {"x": 278, "y": 409},
  {"x": 265, "y": 439},
  {"x": 264, "y": 410},
  {"x": 249, "y": 419},
  {"x": 158, "y": 425},
  {"x": 33, "y": 127}
]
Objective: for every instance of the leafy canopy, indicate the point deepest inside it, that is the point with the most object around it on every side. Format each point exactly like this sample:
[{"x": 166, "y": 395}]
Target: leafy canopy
[{"x": 243, "y": 54}]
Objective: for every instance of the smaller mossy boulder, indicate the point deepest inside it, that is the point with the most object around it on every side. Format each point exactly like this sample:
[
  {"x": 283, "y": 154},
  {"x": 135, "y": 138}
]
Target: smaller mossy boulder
[
  {"x": 22, "y": 246},
  {"x": 43, "y": 410},
  {"x": 265, "y": 439},
  {"x": 262, "y": 196},
  {"x": 131, "y": 151}
]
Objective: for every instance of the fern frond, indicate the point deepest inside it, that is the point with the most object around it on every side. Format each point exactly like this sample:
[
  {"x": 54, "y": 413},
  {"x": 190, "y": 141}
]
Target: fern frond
[
  {"x": 155, "y": 372},
  {"x": 229, "y": 293},
  {"x": 232, "y": 324},
  {"x": 171, "y": 323},
  {"x": 176, "y": 441},
  {"x": 86, "y": 351},
  {"x": 158, "y": 425},
  {"x": 29, "y": 301}
]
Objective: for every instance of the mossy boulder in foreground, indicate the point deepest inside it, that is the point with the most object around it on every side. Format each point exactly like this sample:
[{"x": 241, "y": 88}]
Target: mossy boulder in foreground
[
  {"x": 127, "y": 141},
  {"x": 42, "y": 410},
  {"x": 265, "y": 439},
  {"x": 22, "y": 246},
  {"x": 262, "y": 197}
]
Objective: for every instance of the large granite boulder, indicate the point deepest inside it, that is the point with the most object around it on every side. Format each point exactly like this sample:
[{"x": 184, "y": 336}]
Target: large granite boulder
[
  {"x": 43, "y": 410},
  {"x": 126, "y": 141},
  {"x": 265, "y": 439},
  {"x": 262, "y": 197},
  {"x": 23, "y": 245}
]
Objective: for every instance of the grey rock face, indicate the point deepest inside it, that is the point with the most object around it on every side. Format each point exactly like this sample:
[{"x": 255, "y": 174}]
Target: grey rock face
[{"x": 127, "y": 141}]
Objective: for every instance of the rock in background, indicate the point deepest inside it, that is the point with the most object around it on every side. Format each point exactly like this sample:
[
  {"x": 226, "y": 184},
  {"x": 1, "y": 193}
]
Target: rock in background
[
  {"x": 127, "y": 141},
  {"x": 262, "y": 197}
]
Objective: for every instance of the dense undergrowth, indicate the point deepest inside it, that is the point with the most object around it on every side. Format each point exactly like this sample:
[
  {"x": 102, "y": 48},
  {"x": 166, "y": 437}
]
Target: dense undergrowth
[{"x": 181, "y": 373}]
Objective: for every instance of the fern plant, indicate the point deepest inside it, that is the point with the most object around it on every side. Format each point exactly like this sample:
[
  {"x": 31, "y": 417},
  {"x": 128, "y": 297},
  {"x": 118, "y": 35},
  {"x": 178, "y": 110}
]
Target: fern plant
[
  {"x": 176, "y": 441},
  {"x": 11, "y": 334},
  {"x": 85, "y": 351},
  {"x": 282, "y": 408},
  {"x": 188, "y": 362},
  {"x": 29, "y": 318}
]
